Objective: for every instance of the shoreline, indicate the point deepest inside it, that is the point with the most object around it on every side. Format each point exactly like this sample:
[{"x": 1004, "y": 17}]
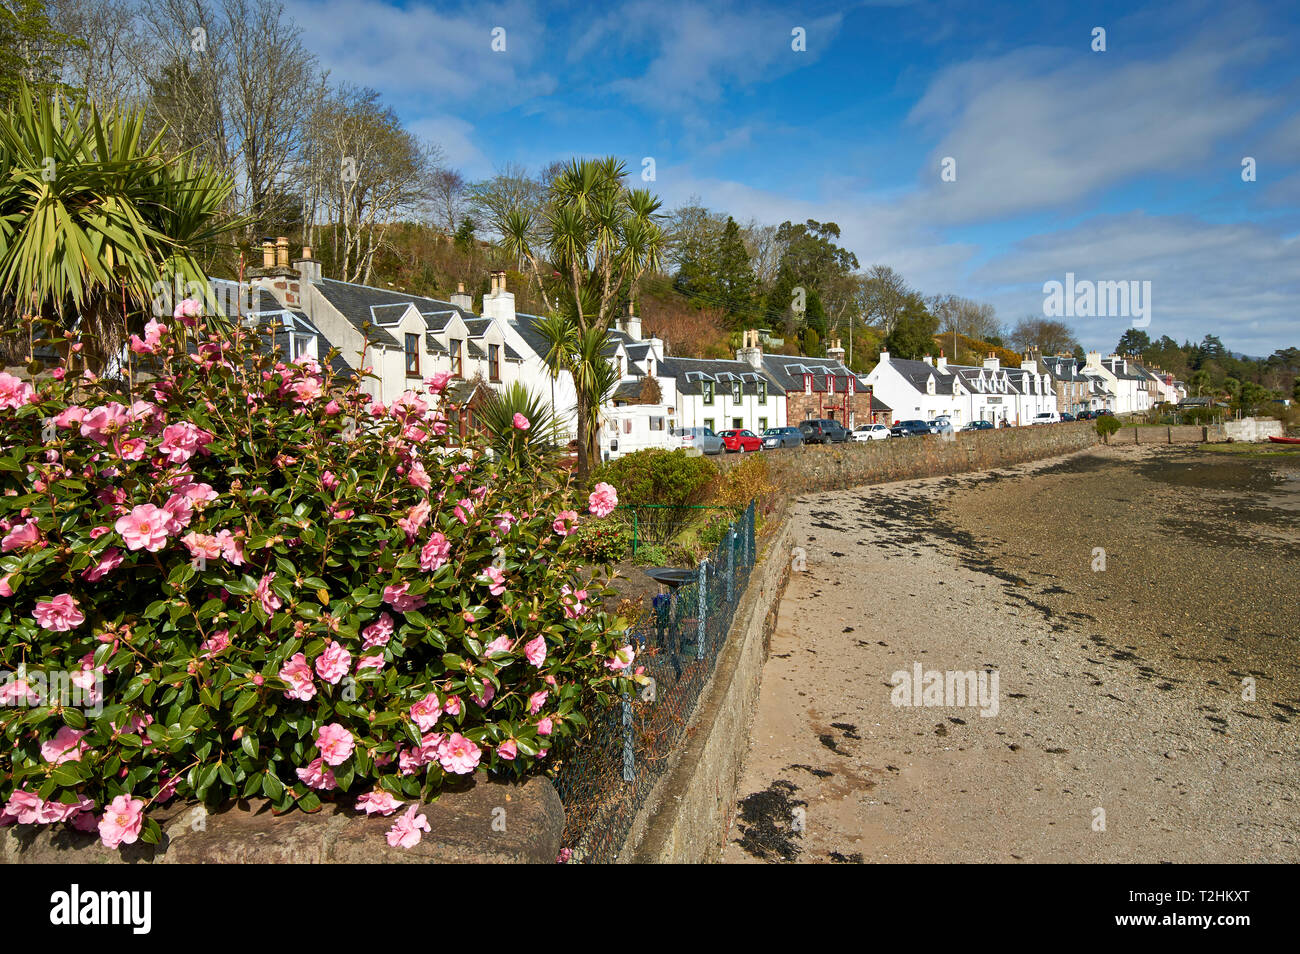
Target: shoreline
[{"x": 1104, "y": 749}]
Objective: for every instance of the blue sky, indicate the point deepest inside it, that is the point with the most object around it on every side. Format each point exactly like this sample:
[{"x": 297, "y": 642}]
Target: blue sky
[{"x": 1123, "y": 165}]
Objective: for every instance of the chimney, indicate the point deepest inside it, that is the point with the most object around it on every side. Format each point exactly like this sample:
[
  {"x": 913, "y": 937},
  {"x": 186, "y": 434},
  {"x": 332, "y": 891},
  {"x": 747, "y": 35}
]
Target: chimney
[
  {"x": 461, "y": 300},
  {"x": 632, "y": 324},
  {"x": 499, "y": 303},
  {"x": 991, "y": 362},
  {"x": 884, "y": 356},
  {"x": 942, "y": 363},
  {"x": 268, "y": 253},
  {"x": 750, "y": 351},
  {"x": 835, "y": 352},
  {"x": 928, "y": 360},
  {"x": 282, "y": 252},
  {"x": 308, "y": 268}
]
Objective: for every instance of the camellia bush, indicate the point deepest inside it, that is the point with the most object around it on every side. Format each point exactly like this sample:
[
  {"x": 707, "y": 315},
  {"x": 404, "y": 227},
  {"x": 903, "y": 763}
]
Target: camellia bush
[{"x": 269, "y": 585}]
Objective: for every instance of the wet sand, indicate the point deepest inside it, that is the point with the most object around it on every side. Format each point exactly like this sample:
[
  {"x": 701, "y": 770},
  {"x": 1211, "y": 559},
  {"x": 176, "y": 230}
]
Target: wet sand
[{"x": 1121, "y": 732}]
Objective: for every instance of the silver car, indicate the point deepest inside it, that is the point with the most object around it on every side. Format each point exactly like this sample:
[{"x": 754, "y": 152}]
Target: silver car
[
  {"x": 699, "y": 438},
  {"x": 782, "y": 437}
]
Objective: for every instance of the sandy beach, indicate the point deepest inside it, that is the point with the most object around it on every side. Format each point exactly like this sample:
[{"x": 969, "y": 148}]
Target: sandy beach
[{"x": 1139, "y": 606}]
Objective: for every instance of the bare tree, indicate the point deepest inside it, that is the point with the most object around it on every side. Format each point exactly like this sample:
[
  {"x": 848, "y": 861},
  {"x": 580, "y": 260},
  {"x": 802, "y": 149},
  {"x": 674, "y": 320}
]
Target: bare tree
[
  {"x": 108, "y": 55},
  {"x": 448, "y": 198},
  {"x": 512, "y": 189},
  {"x": 764, "y": 252},
  {"x": 1048, "y": 336},
  {"x": 883, "y": 296}
]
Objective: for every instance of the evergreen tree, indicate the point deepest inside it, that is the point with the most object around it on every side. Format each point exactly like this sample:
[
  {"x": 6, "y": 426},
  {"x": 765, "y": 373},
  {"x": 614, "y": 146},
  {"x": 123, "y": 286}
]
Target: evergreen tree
[{"x": 735, "y": 278}]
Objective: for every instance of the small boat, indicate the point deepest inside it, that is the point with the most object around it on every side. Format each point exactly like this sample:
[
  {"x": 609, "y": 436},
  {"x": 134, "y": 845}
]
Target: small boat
[{"x": 1285, "y": 440}]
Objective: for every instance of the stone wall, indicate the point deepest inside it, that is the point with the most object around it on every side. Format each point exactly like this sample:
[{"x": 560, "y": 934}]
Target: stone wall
[{"x": 839, "y": 466}]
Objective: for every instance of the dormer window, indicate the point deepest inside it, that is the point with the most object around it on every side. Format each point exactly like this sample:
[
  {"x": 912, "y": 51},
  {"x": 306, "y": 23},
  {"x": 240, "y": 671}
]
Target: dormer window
[
  {"x": 455, "y": 346},
  {"x": 412, "y": 350},
  {"x": 807, "y": 383},
  {"x": 762, "y": 392},
  {"x": 737, "y": 388},
  {"x": 706, "y": 388}
]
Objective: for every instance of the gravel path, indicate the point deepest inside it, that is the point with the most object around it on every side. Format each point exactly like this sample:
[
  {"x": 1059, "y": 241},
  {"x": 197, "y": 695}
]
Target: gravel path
[{"x": 1120, "y": 733}]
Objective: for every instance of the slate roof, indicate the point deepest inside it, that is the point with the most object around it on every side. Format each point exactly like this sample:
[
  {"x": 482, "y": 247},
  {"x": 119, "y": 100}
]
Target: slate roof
[
  {"x": 1062, "y": 368},
  {"x": 787, "y": 371},
  {"x": 691, "y": 373},
  {"x": 916, "y": 372},
  {"x": 264, "y": 307},
  {"x": 362, "y": 304}
]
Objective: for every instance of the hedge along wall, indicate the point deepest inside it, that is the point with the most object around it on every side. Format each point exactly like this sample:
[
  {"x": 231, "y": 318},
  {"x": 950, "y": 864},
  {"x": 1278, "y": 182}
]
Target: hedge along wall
[{"x": 838, "y": 466}]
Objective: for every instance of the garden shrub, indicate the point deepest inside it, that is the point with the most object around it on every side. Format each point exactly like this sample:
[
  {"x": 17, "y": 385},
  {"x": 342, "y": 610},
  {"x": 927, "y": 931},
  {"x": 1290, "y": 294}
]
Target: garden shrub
[
  {"x": 669, "y": 479},
  {"x": 603, "y": 542},
  {"x": 1107, "y": 425},
  {"x": 269, "y": 585}
]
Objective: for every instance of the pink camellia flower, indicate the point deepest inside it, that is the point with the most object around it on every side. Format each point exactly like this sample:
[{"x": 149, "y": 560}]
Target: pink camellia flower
[
  {"x": 535, "y": 651},
  {"x": 25, "y": 536},
  {"x": 18, "y": 692},
  {"x": 405, "y": 832},
  {"x": 502, "y": 644},
  {"x": 415, "y": 519},
  {"x": 59, "y": 614},
  {"x": 202, "y": 546},
  {"x": 452, "y": 705},
  {"x": 536, "y": 701},
  {"x": 378, "y": 633},
  {"x": 182, "y": 441},
  {"x": 521, "y": 423},
  {"x": 270, "y": 602},
  {"x": 334, "y": 663},
  {"x": 460, "y": 756},
  {"x": 427, "y": 712},
  {"x": 622, "y": 659},
  {"x": 108, "y": 561},
  {"x": 232, "y": 547},
  {"x": 438, "y": 382},
  {"x": 397, "y": 597},
  {"x": 378, "y": 802},
  {"x": 24, "y": 806},
  {"x": 152, "y": 336},
  {"x": 545, "y": 726},
  {"x": 216, "y": 643},
  {"x": 5, "y": 588},
  {"x": 333, "y": 409},
  {"x": 328, "y": 480},
  {"x": 306, "y": 390},
  {"x": 297, "y": 674},
  {"x": 335, "y": 743},
  {"x": 179, "y": 513},
  {"x": 121, "y": 822},
  {"x": 495, "y": 578},
  {"x": 70, "y": 417},
  {"x": 101, "y": 423},
  {"x": 489, "y": 691},
  {"x": 435, "y": 553},
  {"x": 316, "y": 775},
  {"x": 66, "y": 746},
  {"x": 144, "y": 528},
  {"x": 373, "y": 661},
  {"x": 187, "y": 311},
  {"x": 197, "y": 494},
  {"x": 603, "y": 500},
  {"x": 419, "y": 477},
  {"x": 14, "y": 392},
  {"x": 508, "y": 750},
  {"x": 565, "y": 521}
]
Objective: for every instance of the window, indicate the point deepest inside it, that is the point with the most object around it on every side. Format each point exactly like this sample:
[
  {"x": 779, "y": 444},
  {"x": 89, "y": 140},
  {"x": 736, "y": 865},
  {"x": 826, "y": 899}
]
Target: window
[
  {"x": 618, "y": 364},
  {"x": 412, "y": 356},
  {"x": 762, "y": 392},
  {"x": 737, "y": 388},
  {"x": 656, "y": 423},
  {"x": 454, "y": 345},
  {"x": 627, "y": 425},
  {"x": 650, "y": 367},
  {"x": 301, "y": 347},
  {"x": 708, "y": 424},
  {"x": 707, "y": 388},
  {"x": 762, "y": 424},
  {"x": 494, "y": 362},
  {"x": 737, "y": 423}
]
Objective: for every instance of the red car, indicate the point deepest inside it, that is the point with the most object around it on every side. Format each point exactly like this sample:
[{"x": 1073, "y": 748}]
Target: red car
[{"x": 741, "y": 441}]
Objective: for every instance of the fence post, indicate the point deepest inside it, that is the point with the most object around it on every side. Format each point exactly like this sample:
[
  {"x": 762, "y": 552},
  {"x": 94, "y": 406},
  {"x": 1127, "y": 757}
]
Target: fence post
[
  {"x": 731, "y": 563},
  {"x": 629, "y": 761},
  {"x": 635, "y": 527},
  {"x": 703, "y": 608}
]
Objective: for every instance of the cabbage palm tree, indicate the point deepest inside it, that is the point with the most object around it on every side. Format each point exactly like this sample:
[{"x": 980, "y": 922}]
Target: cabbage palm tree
[
  {"x": 91, "y": 218},
  {"x": 497, "y": 414},
  {"x": 598, "y": 237}
]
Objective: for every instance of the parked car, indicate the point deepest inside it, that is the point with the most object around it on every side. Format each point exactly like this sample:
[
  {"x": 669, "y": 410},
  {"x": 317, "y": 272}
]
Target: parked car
[
  {"x": 741, "y": 440},
  {"x": 870, "y": 432},
  {"x": 940, "y": 425},
  {"x": 823, "y": 431},
  {"x": 1085, "y": 415},
  {"x": 1104, "y": 412},
  {"x": 910, "y": 428},
  {"x": 782, "y": 437},
  {"x": 980, "y": 426},
  {"x": 1046, "y": 417},
  {"x": 1067, "y": 416},
  {"x": 700, "y": 438}
]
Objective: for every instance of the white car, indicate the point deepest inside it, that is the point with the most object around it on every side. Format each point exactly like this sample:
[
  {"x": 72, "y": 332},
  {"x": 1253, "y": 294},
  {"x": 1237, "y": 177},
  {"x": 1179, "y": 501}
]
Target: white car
[
  {"x": 1047, "y": 417},
  {"x": 871, "y": 432}
]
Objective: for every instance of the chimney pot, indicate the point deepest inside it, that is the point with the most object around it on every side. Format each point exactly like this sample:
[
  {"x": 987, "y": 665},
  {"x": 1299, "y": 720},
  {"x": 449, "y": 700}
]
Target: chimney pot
[
  {"x": 282, "y": 251},
  {"x": 268, "y": 254},
  {"x": 306, "y": 251}
]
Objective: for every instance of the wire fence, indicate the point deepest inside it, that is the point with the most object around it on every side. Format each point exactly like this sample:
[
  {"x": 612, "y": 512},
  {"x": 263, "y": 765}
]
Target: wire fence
[
  {"x": 659, "y": 524},
  {"x": 607, "y": 777}
]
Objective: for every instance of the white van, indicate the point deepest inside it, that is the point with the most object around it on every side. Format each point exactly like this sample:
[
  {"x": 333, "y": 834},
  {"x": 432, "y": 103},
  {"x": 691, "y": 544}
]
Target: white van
[{"x": 1047, "y": 417}]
